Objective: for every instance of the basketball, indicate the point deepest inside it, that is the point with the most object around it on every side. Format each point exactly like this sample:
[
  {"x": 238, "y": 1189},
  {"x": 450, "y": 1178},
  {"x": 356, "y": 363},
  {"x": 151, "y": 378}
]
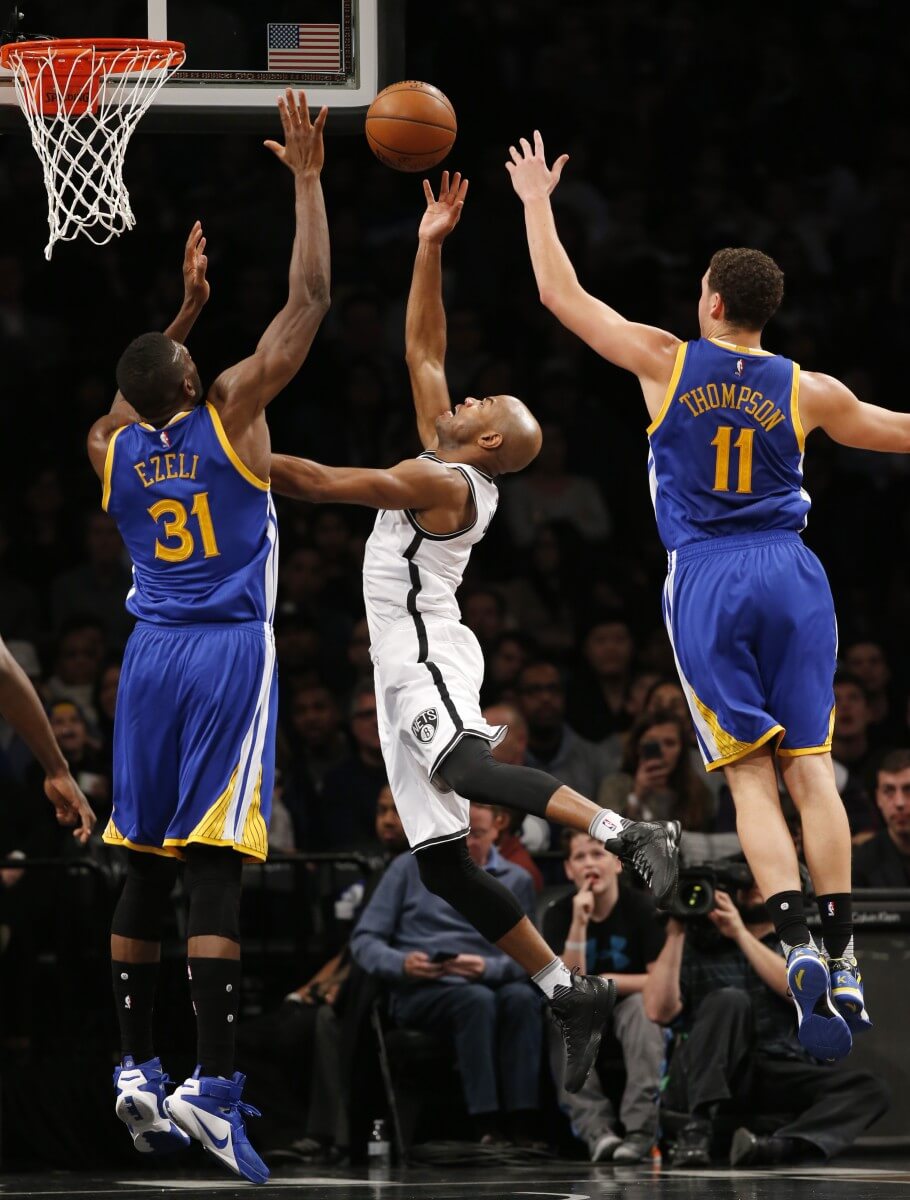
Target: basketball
[{"x": 411, "y": 126}]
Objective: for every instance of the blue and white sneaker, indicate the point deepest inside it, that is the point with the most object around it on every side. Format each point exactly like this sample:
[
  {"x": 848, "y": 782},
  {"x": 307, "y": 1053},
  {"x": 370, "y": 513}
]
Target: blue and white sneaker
[
  {"x": 847, "y": 993},
  {"x": 209, "y": 1109},
  {"x": 141, "y": 1096},
  {"x": 822, "y": 1030}
]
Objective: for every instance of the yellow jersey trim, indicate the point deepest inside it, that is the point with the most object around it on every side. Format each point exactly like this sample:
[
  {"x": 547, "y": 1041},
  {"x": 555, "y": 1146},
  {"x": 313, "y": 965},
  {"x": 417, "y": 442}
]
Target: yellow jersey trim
[
  {"x": 731, "y": 748},
  {"x": 824, "y": 748},
  {"x": 113, "y": 837},
  {"x": 244, "y": 470},
  {"x": 109, "y": 468},
  {"x": 794, "y": 410},
  {"x": 176, "y": 845},
  {"x": 741, "y": 349},
  {"x": 671, "y": 387},
  {"x": 746, "y": 748},
  {"x": 255, "y": 831}
]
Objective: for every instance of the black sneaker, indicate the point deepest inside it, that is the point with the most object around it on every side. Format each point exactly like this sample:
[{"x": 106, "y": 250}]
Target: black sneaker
[
  {"x": 748, "y": 1149},
  {"x": 692, "y": 1147},
  {"x": 582, "y": 1012},
  {"x": 652, "y": 848}
]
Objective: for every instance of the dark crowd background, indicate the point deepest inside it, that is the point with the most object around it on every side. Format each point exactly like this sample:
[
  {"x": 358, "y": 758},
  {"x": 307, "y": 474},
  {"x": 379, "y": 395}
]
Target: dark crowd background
[{"x": 688, "y": 129}]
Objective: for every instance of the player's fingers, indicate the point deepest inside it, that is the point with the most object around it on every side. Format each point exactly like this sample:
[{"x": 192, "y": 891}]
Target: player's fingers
[
  {"x": 303, "y": 110},
  {"x": 200, "y": 249},
  {"x": 285, "y": 117},
  {"x": 526, "y": 147},
  {"x": 444, "y": 186},
  {"x": 428, "y": 191},
  {"x": 275, "y": 148},
  {"x": 516, "y": 157},
  {"x": 293, "y": 111},
  {"x": 538, "y": 144},
  {"x": 463, "y": 190},
  {"x": 510, "y": 167},
  {"x": 193, "y": 235},
  {"x": 321, "y": 117},
  {"x": 559, "y": 164}
]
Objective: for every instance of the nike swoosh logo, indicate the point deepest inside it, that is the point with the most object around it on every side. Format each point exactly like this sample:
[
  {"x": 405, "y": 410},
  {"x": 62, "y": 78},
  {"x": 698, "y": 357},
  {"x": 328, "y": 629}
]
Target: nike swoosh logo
[
  {"x": 129, "y": 1078},
  {"x": 218, "y": 1143}
]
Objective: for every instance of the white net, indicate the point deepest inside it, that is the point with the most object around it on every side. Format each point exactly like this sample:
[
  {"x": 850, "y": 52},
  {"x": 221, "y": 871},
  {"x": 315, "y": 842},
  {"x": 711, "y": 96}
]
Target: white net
[{"x": 82, "y": 108}]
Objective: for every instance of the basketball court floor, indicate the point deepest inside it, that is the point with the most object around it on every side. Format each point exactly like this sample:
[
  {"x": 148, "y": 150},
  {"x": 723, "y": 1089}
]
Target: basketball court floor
[{"x": 846, "y": 1179}]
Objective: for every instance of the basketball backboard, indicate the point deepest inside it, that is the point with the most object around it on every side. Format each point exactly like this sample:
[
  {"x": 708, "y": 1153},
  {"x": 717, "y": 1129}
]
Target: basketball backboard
[{"x": 240, "y": 54}]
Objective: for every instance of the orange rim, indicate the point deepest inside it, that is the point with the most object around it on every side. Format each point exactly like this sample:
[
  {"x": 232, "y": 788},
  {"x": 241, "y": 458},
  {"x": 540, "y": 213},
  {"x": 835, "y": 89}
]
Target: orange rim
[{"x": 32, "y": 55}]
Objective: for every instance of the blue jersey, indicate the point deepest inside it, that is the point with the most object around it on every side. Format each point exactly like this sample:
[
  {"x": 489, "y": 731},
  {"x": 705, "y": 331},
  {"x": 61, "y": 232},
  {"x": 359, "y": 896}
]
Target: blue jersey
[
  {"x": 198, "y": 525},
  {"x": 726, "y": 448}
]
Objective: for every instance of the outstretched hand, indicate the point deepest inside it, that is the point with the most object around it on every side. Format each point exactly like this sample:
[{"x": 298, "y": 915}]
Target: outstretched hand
[
  {"x": 196, "y": 289},
  {"x": 303, "y": 151},
  {"x": 70, "y": 805},
  {"x": 444, "y": 213},
  {"x": 531, "y": 177}
]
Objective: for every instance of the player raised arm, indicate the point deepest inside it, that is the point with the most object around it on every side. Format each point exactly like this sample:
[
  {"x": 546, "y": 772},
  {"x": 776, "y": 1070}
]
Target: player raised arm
[
  {"x": 647, "y": 352},
  {"x": 826, "y": 403},
  {"x": 242, "y": 391},
  {"x": 20, "y": 705},
  {"x": 425, "y": 325},
  {"x": 416, "y": 483}
]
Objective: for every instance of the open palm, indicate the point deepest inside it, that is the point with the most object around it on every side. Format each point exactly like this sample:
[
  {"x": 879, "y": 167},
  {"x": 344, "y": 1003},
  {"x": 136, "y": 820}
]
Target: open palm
[{"x": 443, "y": 214}]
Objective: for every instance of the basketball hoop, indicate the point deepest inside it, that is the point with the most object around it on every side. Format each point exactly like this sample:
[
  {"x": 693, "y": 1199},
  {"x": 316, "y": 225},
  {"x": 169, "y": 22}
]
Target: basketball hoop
[{"x": 82, "y": 98}]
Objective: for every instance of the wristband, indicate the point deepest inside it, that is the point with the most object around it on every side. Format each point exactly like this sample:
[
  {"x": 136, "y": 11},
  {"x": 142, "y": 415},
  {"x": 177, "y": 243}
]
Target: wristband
[{"x": 294, "y": 997}]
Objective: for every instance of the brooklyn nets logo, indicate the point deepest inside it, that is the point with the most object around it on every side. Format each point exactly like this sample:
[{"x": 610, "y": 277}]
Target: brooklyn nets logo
[{"x": 424, "y": 725}]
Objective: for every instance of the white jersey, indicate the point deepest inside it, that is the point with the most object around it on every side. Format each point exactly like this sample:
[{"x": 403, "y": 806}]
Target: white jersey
[{"x": 409, "y": 572}]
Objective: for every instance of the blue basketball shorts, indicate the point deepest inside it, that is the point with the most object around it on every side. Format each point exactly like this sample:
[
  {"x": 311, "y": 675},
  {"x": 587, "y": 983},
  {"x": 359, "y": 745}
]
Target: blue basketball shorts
[
  {"x": 752, "y": 624},
  {"x": 194, "y": 739}
]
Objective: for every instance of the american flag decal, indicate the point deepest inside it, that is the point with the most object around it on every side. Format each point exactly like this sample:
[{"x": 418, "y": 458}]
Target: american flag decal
[{"x": 296, "y": 47}]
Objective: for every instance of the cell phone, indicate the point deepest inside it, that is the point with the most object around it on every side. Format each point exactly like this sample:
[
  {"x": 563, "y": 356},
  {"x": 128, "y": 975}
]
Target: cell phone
[
  {"x": 651, "y": 749},
  {"x": 442, "y": 956}
]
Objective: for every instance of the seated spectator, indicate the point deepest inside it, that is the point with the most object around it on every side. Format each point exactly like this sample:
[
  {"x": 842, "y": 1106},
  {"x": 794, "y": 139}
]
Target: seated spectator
[
  {"x": 350, "y": 788},
  {"x": 99, "y": 585},
  {"x": 504, "y": 661},
  {"x": 606, "y": 929},
  {"x": 105, "y": 701},
  {"x": 668, "y": 695},
  {"x": 445, "y": 978},
  {"x": 721, "y": 980},
  {"x": 553, "y": 745},
  {"x": 483, "y": 610},
  {"x": 78, "y": 658},
  {"x": 599, "y": 691},
  {"x": 657, "y": 782},
  {"x": 544, "y": 597},
  {"x": 521, "y": 834},
  {"x": 884, "y": 859},
  {"x": 866, "y": 660},
  {"x": 316, "y": 744},
  {"x": 854, "y": 755}
]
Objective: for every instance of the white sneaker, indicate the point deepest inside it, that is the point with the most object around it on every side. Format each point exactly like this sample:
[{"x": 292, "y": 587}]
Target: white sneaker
[
  {"x": 141, "y": 1095},
  {"x": 209, "y": 1109},
  {"x": 604, "y": 1147}
]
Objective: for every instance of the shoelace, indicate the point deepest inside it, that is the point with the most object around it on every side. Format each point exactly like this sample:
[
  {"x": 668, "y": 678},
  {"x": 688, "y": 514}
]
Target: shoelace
[
  {"x": 641, "y": 864},
  {"x": 248, "y": 1110}
]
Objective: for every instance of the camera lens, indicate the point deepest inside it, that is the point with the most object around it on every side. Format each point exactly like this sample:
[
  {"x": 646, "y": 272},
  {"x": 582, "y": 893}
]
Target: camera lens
[{"x": 695, "y": 897}]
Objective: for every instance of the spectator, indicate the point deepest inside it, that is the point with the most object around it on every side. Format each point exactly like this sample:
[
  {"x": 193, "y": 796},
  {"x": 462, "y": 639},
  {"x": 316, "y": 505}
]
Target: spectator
[
  {"x": 657, "y": 782},
  {"x": 349, "y": 790},
  {"x": 317, "y": 743},
  {"x": 721, "y": 981},
  {"x": 884, "y": 860},
  {"x": 854, "y": 756},
  {"x": 445, "y": 978},
  {"x": 483, "y": 610},
  {"x": 105, "y": 703},
  {"x": 606, "y": 929},
  {"x": 553, "y": 745},
  {"x": 548, "y": 492},
  {"x": 544, "y": 597},
  {"x": 80, "y": 651},
  {"x": 521, "y": 834},
  {"x": 98, "y": 586},
  {"x": 668, "y": 695},
  {"x": 505, "y": 659},
  {"x": 358, "y": 651},
  {"x": 866, "y": 660},
  {"x": 598, "y": 696}
]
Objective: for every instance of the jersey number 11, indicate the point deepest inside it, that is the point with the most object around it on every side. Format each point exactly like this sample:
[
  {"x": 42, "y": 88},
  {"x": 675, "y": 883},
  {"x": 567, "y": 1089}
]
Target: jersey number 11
[{"x": 722, "y": 465}]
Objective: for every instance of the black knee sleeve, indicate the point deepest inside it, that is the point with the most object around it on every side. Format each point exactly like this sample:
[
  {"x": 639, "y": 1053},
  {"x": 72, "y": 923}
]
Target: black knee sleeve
[
  {"x": 145, "y": 898},
  {"x": 472, "y": 771},
  {"x": 449, "y": 871},
  {"x": 212, "y": 883}
]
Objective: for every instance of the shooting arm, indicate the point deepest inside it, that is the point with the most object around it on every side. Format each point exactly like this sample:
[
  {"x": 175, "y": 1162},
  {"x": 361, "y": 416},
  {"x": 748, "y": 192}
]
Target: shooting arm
[
  {"x": 828, "y": 404},
  {"x": 661, "y": 993},
  {"x": 425, "y": 341},
  {"x": 414, "y": 483}
]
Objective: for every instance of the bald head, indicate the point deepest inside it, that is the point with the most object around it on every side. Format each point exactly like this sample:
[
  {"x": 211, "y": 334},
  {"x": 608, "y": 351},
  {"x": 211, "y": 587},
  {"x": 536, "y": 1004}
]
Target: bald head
[{"x": 521, "y": 436}]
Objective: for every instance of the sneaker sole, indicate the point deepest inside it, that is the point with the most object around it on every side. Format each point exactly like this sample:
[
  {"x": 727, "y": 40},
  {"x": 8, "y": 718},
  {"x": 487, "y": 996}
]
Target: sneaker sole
[
  {"x": 184, "y": 1115},
  {"x": 826, "y": 1037},
  {"x": 742, "y": 1148},
  {"x": 167, "y": 1139},
  {"x": 606, "y": 999},
  {"x": 669, "y": 890}
]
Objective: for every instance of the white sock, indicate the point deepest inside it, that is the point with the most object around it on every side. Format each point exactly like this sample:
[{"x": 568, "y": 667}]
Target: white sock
[
  {"x": 554, "y": 975},
  {"x": 607, "y": 824}
]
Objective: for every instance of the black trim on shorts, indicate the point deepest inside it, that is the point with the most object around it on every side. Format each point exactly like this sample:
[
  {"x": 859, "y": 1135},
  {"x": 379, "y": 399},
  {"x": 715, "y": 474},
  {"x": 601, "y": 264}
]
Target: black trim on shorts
[{"x": 437, "y": 841}]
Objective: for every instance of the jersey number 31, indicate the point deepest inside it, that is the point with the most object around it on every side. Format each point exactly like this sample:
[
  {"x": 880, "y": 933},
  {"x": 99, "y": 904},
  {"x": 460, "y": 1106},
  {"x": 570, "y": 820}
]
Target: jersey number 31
[{"x": 175, "y": 517}]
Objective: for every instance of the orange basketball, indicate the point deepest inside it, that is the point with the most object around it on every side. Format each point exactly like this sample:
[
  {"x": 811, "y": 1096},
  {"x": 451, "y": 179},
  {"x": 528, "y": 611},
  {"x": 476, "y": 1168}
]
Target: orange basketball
[{"x": 411, "y": 126}]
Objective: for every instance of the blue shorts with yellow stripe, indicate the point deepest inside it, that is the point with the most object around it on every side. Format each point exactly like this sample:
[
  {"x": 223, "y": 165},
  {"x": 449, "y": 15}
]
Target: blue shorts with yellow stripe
[
  {"x": 753, "y": 629},
  {"x": 194, "y": 738}
]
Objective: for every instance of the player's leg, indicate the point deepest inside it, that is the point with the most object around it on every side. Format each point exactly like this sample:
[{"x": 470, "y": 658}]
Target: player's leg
[
  {"x": 136, "y": 930},
  {"x": 580, "y": 1004},
  {"x": 826, "y": 838},
  {"x": 208, "y": 1104}
]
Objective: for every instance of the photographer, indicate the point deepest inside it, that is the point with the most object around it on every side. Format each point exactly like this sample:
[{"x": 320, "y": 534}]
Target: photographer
[
  {"x": 721, "y": 981},
  {"x": 656, "y": 780}
]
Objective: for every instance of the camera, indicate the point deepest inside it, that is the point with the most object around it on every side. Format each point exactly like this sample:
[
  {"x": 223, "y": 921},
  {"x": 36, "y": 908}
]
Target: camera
[{"x": 697, "y": 886}]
